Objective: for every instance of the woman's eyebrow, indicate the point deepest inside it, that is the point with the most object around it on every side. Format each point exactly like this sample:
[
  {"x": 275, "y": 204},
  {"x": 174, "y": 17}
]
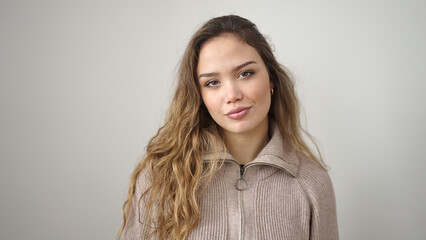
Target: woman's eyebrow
[
  {"x": 208, "y": 74},
  {"x": 234, "y": 69},
  {"x": 243, "y": 65}
]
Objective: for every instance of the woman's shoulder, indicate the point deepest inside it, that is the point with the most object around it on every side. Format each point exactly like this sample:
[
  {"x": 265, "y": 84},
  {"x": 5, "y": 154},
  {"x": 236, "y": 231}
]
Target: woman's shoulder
[
  {"x": 314, "y": 178},
  {"x": 318, "y": 188},
  {"x": 142, "y": 179}
]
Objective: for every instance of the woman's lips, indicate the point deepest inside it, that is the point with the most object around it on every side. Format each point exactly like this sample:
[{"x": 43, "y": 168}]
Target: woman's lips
[{"x": 238, "y": 113}]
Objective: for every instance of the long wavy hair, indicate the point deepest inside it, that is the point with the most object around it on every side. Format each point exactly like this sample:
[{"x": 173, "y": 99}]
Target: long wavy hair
[{"x": 174, "y": 155}]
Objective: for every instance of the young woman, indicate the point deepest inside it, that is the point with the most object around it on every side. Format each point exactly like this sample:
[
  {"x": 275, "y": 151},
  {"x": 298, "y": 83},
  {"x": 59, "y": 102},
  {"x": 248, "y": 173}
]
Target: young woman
[{"x": 230, "y": 161}]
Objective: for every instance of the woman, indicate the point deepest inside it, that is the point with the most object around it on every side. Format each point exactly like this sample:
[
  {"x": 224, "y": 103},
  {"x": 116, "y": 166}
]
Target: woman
[{"x": 230, "y": 161}]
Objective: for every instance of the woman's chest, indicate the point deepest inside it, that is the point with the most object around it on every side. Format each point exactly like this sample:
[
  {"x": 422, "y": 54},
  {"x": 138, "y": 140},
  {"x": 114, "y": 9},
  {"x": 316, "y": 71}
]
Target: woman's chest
[{"x": 264, "y": 203}]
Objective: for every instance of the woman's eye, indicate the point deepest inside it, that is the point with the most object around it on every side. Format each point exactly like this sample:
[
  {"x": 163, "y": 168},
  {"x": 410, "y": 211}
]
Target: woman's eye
[
  {"x": 211, "y": 83},
  {"x": 245, "y": 74}
]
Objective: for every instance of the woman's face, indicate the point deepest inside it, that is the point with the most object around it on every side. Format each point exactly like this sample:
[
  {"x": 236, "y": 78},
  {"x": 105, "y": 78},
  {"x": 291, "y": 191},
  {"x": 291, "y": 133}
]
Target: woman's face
[{"x": 234, "y": 83}]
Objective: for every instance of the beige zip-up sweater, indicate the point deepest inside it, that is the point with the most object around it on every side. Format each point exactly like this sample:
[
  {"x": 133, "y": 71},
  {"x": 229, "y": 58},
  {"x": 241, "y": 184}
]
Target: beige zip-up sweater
[{"x": 280, "y": 195}]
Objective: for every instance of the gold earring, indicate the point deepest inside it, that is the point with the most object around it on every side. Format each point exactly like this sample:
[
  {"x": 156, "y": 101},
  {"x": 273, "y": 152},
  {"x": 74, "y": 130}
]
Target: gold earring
[{"x": 272, "y": 91}]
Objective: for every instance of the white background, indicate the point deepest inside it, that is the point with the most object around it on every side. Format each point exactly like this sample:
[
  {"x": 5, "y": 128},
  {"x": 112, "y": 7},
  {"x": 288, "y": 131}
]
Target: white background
[{"x": 84, "y": 85}]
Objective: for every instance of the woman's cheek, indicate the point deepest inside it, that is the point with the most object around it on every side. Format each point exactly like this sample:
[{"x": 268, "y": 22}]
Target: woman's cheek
[
  {"x": 211, "y": 102},
  {"x": 260, "y": 92}
]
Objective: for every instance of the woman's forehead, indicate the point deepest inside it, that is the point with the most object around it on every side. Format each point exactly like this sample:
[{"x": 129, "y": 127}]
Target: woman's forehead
[{"x": 225, "y": 52}]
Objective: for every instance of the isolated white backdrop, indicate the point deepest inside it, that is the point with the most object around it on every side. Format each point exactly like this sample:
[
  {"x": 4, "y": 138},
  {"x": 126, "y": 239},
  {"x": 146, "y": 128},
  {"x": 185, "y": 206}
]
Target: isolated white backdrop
[{"x": 84, "y": 85}]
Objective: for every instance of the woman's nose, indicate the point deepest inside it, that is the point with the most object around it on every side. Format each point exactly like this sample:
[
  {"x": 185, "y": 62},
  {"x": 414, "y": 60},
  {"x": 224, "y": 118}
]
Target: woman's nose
[{"x": 233, "y": 93}]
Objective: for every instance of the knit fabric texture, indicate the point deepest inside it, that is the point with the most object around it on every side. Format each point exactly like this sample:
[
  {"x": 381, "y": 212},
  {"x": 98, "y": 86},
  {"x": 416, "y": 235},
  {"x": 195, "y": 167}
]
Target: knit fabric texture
[{"x": 281, "y": 195}]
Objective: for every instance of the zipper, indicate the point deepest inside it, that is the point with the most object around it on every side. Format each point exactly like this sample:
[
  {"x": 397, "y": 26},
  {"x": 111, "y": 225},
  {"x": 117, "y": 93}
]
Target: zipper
[
  {"x": 241, "y": 185},
  {"x": 241, "y": 170}
]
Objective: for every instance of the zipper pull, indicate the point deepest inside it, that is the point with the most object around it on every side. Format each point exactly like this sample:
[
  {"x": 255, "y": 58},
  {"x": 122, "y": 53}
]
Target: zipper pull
[{"x": 241, "y": 183}]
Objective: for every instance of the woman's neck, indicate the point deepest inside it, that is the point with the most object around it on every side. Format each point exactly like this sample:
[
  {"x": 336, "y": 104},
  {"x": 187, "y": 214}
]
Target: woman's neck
[{"x": 244, "y": 147}]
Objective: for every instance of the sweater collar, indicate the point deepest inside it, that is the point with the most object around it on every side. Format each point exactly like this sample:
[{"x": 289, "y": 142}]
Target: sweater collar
[{"x": 276, "y": 153}]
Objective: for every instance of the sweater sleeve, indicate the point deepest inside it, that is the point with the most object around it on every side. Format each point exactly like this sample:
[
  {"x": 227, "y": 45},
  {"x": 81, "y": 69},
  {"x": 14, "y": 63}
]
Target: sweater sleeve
[
  {"x": 320, "y": 193},
  {"x": 136, "y": 227}
]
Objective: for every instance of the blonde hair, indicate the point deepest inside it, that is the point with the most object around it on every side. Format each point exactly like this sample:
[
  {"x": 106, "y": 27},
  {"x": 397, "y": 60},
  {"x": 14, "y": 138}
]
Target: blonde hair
[{"x": 174, "y": 154}]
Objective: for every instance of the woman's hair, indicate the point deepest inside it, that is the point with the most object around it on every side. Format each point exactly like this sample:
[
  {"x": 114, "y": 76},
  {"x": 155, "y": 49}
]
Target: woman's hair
[{"x": 174, "y": 155}]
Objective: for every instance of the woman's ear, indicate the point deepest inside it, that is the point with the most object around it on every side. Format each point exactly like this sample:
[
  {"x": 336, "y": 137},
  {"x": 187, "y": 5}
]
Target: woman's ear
[{"x": 271, "y": 84}]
